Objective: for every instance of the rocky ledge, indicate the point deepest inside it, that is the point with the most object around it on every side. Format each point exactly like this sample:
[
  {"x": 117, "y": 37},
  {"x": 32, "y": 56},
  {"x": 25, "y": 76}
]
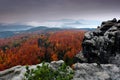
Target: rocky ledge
[{"x": 83, "y": 71}]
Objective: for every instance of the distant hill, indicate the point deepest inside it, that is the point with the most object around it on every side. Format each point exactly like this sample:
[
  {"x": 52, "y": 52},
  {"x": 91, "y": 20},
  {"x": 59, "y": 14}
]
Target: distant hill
[
  {"x": 87, "y": 29},
  {"x": 13, "y": 27},
  {"x": 5, "y": 34},
  {"x": 36, "y": 29}
]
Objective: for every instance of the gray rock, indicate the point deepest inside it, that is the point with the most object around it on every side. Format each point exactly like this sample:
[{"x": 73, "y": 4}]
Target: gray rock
[
  {"x": 79, "y": 58},
  {"x": 55, "y": 64},
  {"x": 104, "y": 43},
  {"x": 17, "y": 72},
  {"x": 88, "y": 35},
  {"x": 82, "y": 71},
  {"x": 86, "y": 71}
]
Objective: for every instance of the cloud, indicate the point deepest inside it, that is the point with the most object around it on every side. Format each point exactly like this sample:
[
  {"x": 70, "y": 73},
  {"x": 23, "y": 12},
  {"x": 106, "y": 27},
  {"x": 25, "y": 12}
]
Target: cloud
[
  {"x": 48, "y": 24},
  {"x": 21, "y": 11},
  {"x": 66, "y": 23}
]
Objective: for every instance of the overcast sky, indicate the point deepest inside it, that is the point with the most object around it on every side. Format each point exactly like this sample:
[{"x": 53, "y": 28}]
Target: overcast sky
[{"x": 26, "y": 11}]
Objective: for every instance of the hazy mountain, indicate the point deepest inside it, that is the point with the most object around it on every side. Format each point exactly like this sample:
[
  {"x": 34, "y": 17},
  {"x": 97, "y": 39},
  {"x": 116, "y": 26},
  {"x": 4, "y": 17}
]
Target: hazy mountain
[
  {"x": 36, "y": 29},
  {"x": 13, "y": 27},
  {"x": 81, "y": 24},
  {"x": 67, "y": 23},
  {"x": 5, "y": 34},
  {"x": 8, "y": 30}
]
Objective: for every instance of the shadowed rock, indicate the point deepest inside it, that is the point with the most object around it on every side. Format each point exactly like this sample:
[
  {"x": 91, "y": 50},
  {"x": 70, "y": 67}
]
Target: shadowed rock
[{"x": 103, "y": 44}]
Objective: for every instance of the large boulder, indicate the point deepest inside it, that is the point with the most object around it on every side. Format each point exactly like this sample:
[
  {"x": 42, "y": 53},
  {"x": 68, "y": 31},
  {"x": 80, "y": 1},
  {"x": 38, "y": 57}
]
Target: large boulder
[{"x": 103, "y": 44}]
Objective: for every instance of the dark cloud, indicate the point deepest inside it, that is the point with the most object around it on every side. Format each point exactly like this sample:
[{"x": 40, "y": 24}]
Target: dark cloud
[{"x": 39, "y": 10}]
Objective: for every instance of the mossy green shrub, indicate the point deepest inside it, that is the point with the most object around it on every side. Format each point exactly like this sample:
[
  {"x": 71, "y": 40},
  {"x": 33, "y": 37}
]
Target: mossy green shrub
[{"x": 45, "y": 72}]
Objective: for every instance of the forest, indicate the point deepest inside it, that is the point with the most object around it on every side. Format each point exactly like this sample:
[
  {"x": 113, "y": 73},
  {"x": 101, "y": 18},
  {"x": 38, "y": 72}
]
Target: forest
[{"x": 30, "y": 49}]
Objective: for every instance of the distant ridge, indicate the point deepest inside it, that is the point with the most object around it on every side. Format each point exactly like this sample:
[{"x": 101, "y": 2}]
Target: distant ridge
[
  {"x": 5, "y": 34},
  {"x": 13, "y": 27}
]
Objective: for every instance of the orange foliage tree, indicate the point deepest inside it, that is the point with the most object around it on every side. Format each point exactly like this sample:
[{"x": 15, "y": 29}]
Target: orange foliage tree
[{"x": 32, "y": 49}]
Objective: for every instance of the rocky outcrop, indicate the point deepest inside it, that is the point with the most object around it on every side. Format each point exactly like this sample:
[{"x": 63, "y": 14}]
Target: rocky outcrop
[
  {"x": 17, "y": 72},
  {"x": 103, "y": 44},
  {"x": 82, "y": 71},
  {"x": 86, "y": 71}
]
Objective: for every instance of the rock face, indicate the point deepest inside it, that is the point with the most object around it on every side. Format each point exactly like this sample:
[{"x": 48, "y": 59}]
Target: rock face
[
  {"x": 103, "y": 44},
  {"x": 83, "y": 71}
]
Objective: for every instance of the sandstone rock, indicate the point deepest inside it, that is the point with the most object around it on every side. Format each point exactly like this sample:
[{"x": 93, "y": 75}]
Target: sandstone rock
[
  {"x": 82, "y": 71},
  {"x": 103, "y": 44},
  {"x": 86, "y": 71},
  {"x": 79, "y": 58},
  {"x": 55, "y": 64},
  {"x": 17, "y": 72}
]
